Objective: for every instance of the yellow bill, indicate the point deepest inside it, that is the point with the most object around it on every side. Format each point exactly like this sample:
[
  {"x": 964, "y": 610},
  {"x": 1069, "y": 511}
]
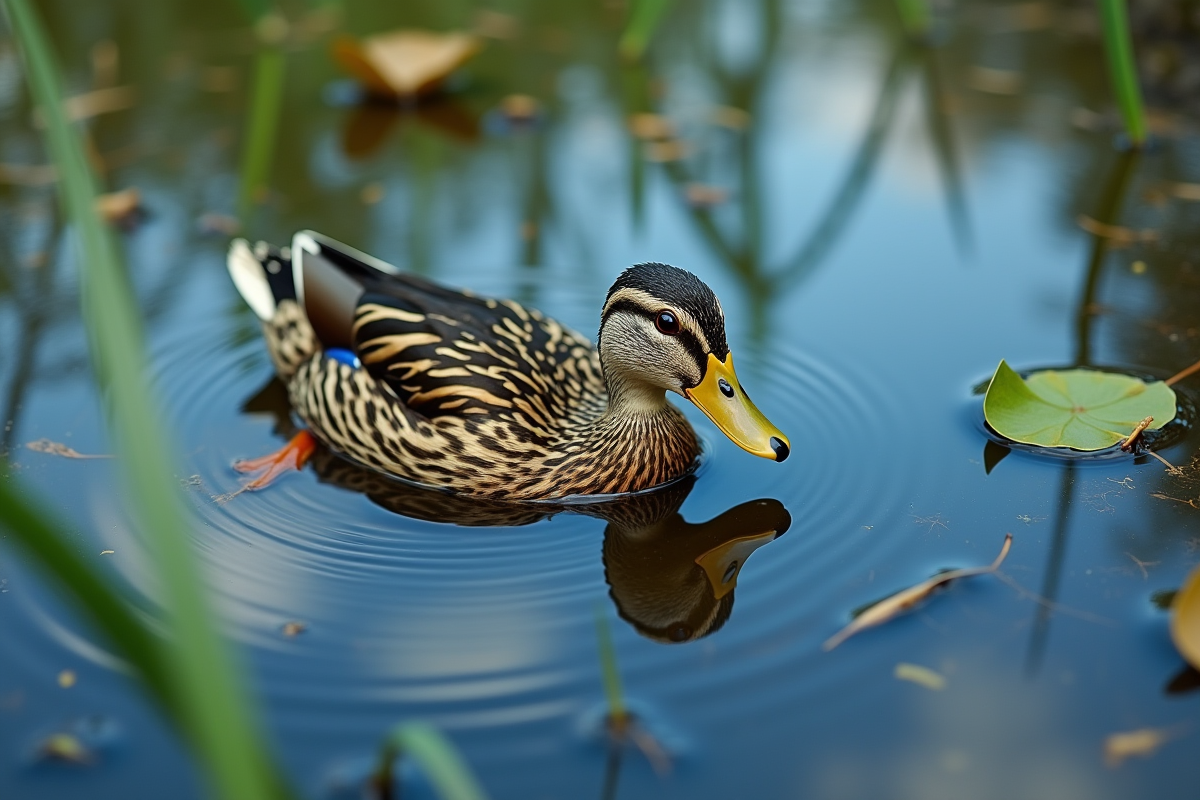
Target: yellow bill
[{"x": 722, "y": 399}]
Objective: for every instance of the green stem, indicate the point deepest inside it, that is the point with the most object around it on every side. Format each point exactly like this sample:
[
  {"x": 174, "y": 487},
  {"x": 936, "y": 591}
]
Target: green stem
[
  {"x": 915, "y": 16},
  {"x": 617, "y": 712},
  {"x": 1119, "y": 45},
  {"x": 260, "y": 133},
  {"x": 643, "y": 21}
]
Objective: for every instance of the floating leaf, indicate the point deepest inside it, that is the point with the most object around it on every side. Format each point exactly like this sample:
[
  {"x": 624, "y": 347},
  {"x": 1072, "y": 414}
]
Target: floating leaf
[
  {"x": 1185, "y": 619},
  {"x": 922, "y": 676},
  {"x": 1078, "y": 408},
  {"x": 891, "y": 607},
  {"x": 1141, "y": 743},
  {"x": 405, "y": 63}
]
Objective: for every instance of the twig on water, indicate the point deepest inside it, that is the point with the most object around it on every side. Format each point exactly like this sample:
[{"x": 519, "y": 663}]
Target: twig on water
[
  {"x": 1141, "y": 426},
  {"x": 1178, "y": 376}
]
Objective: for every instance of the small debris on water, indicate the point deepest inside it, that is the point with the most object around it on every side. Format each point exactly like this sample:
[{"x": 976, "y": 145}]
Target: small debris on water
[
  {"x": 59, "y": 449},
  {"x": 67, "y": 748},
  {"x": 107, "y": 552},
  {"x": 651, "y": 127},
  {"x": 372, "y": 193},
  {"x": 994, "y": 81},
  {"x": 122, "y": 209},
  {"x": 293, "y": 628},
  {"x": 66, "y": 678},
  {"x": 214, "y": 223},
  {"x": 701, "y": 195},
  {"x": 922, "y": 676},
  {"x": 520, "y": 108},
  {"x": 1141, "y": 743}
]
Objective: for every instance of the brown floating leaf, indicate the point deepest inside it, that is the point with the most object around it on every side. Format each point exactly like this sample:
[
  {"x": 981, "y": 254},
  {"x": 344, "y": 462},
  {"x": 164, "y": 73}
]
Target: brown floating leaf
[
  {"x": 405, "y": 63},
  {"x": 101, "y": 101},
  {"x": 1116, "y": 233},
  {"x": 1141, "y": 743},
  {"x": 891, "y": 607},
  {"x": 118, "y": 208},
  {"x": 28, "y": 174},
  {"x": 667, "y": 150},
  {"x": 1186, "y": 191},
  {"x": 58, "y": 449},
  {"x": 1185, "y": 619},
  {"x": 651, "y": 127},
  {"x": 995, "y": 81},
  {"x": 922, "y": 676},
  {"x": 520, "y": 107},
  {"x": 700, "y": 195}
]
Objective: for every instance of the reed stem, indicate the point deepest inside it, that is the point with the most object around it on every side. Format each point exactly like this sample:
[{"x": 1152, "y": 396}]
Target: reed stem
[{"x": 1118, "y": 43}]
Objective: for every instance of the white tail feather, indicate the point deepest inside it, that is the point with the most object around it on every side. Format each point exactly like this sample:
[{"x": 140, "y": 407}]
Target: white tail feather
[{"x": 250, "y": 279}]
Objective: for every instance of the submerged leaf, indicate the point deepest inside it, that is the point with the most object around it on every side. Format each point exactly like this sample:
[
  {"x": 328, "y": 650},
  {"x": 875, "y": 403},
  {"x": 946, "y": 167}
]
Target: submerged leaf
[
  {"x": 1079, "y": 408},
  {"x": 1185, "y": 619},
  {"x": 891, "y": 607}
]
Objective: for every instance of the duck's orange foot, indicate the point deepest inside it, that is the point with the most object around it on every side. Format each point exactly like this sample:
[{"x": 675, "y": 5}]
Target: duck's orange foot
[{"x": 292, "y": 456}]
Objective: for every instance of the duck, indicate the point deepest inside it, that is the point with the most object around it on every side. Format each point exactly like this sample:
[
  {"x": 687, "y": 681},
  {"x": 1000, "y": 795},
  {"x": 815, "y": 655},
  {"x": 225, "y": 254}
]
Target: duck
[
  {"x": 671, "y": 580},
  {"x": 484, "y": 397}
]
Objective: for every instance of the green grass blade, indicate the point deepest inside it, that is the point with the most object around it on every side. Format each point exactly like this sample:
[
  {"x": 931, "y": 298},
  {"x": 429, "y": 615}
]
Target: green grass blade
[
  {"x": 98, "y": 602},
  {"x": 265, "y": 103},
  {"x": 915, "y": 17},
  {"x": 1118, "y": 43},
  {"x": 215, "y": 710},
  {"x": 644, "y": 17},
  {"x": 617, "y": 712},
  {"x": 436, "y": 757}
]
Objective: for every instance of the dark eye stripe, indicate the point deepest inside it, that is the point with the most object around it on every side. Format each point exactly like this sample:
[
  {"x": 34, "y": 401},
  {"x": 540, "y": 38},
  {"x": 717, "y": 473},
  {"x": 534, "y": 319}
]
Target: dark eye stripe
[{"x": 684, "y": 337}]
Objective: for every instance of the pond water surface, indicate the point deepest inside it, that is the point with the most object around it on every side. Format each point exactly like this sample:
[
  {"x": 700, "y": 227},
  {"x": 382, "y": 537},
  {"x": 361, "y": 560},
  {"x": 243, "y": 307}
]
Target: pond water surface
[{"x": 896, "y": 220}]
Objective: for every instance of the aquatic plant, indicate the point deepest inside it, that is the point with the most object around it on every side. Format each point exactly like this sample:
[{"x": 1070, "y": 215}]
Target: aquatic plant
[
  {"x": 1118, "y": 44},
  {"x": 644, "y": 16},
  {"x": 431, "y": 751}
]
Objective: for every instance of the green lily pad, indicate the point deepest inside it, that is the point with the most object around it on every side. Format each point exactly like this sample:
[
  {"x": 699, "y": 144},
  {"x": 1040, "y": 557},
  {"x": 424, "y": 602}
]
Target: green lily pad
[{"x": 1078, "y": 408}]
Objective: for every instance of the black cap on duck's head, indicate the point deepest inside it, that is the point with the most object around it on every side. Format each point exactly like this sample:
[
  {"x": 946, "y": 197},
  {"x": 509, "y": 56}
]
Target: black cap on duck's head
[{"x": 662, "y": 329}]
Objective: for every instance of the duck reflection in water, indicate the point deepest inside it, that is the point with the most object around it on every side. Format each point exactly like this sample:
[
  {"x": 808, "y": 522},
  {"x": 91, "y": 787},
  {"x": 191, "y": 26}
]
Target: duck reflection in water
[{"x": 671, "y": 579}]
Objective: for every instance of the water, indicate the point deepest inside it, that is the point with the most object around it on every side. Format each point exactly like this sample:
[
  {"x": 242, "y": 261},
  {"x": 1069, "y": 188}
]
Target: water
[{"x": 871, "y": 276}]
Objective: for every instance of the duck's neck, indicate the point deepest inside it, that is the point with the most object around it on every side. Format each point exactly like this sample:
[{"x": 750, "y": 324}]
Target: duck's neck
[{"x": 639, "y": 441}]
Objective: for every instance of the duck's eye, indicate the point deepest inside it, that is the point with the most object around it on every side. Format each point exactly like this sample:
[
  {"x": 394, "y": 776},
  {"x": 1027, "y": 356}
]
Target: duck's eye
[{"x": 667, "y": 322}]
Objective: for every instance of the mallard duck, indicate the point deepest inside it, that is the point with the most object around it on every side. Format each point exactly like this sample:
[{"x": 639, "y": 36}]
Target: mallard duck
[
  {"x": 485, "y": 397},
  {"x": 672, "y": 580}
]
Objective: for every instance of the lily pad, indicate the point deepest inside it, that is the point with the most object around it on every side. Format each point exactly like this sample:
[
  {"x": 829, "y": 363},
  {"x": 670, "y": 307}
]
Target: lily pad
[
  {"x": 1077, "y": 408},
  {"x": 1185, "y": 619}
]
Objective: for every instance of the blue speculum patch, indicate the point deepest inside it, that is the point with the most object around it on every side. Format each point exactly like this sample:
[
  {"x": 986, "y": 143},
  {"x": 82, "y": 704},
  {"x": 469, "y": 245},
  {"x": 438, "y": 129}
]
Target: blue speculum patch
[{"x": 343, "y": 356}]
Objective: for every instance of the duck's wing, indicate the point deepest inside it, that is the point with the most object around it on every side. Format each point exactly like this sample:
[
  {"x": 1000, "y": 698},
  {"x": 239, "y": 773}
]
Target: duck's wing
[{"x": 445, "y": 352}]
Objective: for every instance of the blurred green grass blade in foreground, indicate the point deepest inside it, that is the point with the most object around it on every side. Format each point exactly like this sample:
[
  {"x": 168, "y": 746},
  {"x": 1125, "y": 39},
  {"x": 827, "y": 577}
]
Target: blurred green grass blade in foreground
[
  {"x": 1118, "y": 43},
  {"x": 436, "y": 757},
  {"x": 214, "y": 710},
  {"x": 644, "y": 16},
  {"x": 53, "y": 550}
]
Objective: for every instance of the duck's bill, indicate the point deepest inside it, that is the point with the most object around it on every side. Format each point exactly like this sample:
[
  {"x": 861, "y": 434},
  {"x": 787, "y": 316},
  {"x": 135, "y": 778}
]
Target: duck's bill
[{"x": 723, "y": 400}]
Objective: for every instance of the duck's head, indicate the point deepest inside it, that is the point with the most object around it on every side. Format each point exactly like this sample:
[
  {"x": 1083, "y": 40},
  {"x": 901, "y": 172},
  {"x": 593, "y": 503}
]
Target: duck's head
[{"x": 662, "y": 329}]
